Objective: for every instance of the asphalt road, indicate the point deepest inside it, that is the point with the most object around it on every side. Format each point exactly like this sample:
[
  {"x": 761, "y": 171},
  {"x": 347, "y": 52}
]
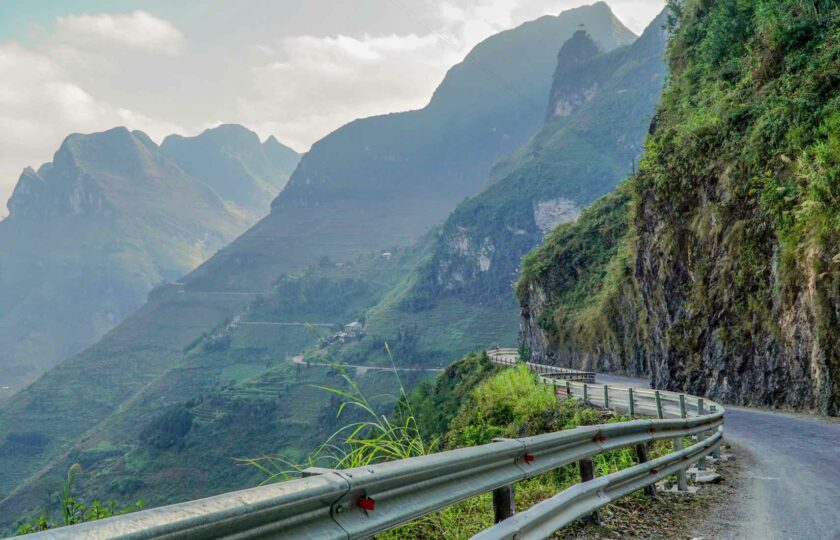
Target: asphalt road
[{"x": 792, "y": 473}]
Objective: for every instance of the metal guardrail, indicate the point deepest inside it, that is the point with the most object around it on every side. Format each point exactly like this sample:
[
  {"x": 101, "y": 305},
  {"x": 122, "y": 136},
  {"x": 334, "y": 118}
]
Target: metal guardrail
[
  {"x": 359, "y": 502},
  {"x": 548, "y": 516},
  {"x": 510, "y": 357}
]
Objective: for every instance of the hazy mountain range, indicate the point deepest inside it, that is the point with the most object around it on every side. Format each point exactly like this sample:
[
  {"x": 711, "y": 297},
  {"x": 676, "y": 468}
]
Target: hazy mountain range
[
  {"x": 113, "y": 215},
  {"x": 347, "y": 239}
]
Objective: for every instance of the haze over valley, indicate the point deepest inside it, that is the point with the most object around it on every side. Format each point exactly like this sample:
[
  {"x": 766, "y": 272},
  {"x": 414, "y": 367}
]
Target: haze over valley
[{"x": 621, "y": 189}]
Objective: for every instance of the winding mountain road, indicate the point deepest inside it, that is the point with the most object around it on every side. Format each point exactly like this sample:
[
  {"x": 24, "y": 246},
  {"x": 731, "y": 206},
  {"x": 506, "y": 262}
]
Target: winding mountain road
[
  {"x": 792, "y": 474},
  {"x": 360, "y": 369}
]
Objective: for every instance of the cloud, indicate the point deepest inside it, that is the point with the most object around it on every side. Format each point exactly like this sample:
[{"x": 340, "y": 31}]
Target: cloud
[
  {"x": 314, "y": 84},
  {"x": 303, "y": 87},
  {"x": 138, "y": 30},
  {"x": 40, "y": 105}
]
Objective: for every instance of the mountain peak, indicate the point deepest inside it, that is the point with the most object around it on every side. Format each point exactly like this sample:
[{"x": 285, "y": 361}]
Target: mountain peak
[
  {"x": 579, "y": 49},
  {"x": 575, "y": 82},
  {"x": 223, "y": 135},
  {"x": 231, "y": 159}
]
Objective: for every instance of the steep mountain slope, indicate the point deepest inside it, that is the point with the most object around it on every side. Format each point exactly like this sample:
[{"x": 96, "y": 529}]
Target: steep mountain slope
[
  {"x": 130, "y": 369},
  {"x": 726, "y": 281},
  {"x": 92, "y": 232},
  {"x": 383, "y": 180},
  {"x": 236, "y": 388},
  {"x": 599, "y": 112},
  {"x": 460, "y": 298},
  {"x": 427, "y": 337},
  {"x": 231, "y": 160}
]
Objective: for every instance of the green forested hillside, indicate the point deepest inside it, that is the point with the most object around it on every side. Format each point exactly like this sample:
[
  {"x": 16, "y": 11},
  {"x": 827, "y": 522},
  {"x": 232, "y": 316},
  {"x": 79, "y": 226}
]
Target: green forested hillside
[
  {"x": 726, "y": 280},
  {"x": 90, "y": 233},
  {"x": 236, "y": 385},
  {"x": 188, "y": 332},
  {"x": 460, "y": 297}
]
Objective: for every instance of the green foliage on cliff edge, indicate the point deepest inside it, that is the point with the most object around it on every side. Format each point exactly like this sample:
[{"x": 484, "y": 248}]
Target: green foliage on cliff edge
[
  {"x": 735, "y": 218},
  {"x": 472, "y": 402}
]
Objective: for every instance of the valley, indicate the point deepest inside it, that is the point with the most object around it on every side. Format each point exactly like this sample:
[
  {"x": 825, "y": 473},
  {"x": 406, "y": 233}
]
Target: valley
[{"x": 659, "y": 209}]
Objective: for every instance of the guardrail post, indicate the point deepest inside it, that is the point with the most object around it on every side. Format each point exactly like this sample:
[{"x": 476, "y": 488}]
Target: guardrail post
[
  {"x": 631, "y": 402},
  {"x": 503, "y": 503},
  {"x": 682, "y": 480},
  {"x": 585, "y": 393},
  {"x": 701, "y": 463},
  {"x": 716, "y": 451},
  {"x": 658, "y": 404},
  {"x": 568, "y": 388},
  {"x": 587, "y": 473},
  {"x": 642, "y": 455},
  {"x": 606, "y": 396}
]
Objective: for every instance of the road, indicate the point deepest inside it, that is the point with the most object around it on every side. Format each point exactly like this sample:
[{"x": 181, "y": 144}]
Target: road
[
  {"x": 792, "y": 473},
  {"x": 360, "y": 369}
]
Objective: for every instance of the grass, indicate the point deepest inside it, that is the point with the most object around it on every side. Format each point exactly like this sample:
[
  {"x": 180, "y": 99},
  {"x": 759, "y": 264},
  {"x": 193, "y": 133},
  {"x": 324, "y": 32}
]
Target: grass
[
  {"x": 371, "y": 437},
  {"x": 506, "y": 402},
  {"x": 74, "y": 511}
]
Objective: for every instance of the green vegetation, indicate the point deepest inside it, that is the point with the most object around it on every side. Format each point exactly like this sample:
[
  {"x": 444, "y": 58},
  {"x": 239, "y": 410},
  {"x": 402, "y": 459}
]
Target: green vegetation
[
  {"x": 437, "y": 402},
  {"x": 234, "y": 393},
  {"x": 370, "y": 437},
  {"x": 733, "y": 229},
  {"x": 73, "y": 511},
  {"x": 493, "y": 402}
]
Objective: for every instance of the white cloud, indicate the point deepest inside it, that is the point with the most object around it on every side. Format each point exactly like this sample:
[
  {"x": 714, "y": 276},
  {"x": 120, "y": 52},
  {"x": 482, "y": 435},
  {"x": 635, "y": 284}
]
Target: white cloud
[
  {"x": 314, "y": 84},
  {"x": 40, "y": 105},
  {"x": 138, "y": 30}
]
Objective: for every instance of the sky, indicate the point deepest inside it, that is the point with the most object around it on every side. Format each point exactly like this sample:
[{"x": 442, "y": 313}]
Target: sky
[{"x": 296, "y": 69}]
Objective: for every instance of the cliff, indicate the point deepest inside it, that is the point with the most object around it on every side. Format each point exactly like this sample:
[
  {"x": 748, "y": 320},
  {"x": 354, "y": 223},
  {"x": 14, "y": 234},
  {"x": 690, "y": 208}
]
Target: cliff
[{"x": 726, "y": 280}]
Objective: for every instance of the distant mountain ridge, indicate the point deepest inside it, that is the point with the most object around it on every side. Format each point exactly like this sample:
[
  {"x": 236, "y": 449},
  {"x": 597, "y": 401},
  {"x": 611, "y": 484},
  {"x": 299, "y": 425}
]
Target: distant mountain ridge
[
  {"x": 89, "y": 234},
  {"x": 385, "y": 180},
  {"x": 599, "y": 111},
  {"x": 232, "y": 160}
]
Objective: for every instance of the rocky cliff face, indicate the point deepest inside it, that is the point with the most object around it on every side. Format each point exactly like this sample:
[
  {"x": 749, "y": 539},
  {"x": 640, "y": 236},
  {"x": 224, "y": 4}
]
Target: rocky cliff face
[
  {"x": 726, "y": 281},
  {"x": 574, "y": 82}
]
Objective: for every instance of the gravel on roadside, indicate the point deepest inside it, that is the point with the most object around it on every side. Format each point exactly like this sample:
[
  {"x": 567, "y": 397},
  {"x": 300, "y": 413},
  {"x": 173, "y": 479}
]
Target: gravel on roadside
[{"x": 706, "y": 512}]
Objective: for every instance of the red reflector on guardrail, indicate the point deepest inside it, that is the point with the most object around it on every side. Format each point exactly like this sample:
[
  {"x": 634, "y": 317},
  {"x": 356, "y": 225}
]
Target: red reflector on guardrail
[
  {"x": 529, "y": 458},
  {"x": 366, "y": 503},
  {"x": 602, "y": 438}
]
